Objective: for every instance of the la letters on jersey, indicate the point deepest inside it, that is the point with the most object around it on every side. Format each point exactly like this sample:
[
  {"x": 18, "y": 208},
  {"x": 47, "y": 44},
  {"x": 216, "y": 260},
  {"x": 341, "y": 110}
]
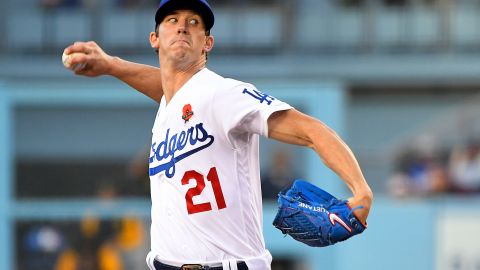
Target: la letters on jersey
[
  {"x": 167, "y": 149},
  {"x": 259, "y": 95}
]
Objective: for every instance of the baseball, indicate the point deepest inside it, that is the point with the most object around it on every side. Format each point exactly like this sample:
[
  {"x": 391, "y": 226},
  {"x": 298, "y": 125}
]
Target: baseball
[{"x": 66, "y": 62}]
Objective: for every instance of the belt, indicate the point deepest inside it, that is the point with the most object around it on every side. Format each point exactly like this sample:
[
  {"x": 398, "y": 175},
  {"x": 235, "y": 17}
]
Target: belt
[{"x": 161, "y": 266}]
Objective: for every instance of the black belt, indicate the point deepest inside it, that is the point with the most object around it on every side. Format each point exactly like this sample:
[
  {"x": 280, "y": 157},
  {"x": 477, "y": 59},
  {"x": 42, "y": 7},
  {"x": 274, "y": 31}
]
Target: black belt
[{"x": 161, "y": 266}]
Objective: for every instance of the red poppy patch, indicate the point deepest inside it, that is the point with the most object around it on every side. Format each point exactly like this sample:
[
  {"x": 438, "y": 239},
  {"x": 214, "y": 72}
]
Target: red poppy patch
[{"x": 187, "y": 112}]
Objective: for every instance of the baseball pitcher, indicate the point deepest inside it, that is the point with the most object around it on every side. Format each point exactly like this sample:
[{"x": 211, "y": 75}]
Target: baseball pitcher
[{"x": 204, "y": 155}]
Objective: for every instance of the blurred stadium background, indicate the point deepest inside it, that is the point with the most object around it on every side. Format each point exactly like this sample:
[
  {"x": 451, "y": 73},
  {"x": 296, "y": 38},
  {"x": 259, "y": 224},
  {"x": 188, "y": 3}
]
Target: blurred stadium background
[{"x": 398, "y": 79}]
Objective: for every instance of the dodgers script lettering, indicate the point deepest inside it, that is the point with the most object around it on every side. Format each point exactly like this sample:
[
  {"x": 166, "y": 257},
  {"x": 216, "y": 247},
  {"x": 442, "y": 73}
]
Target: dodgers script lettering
[{"x": 167, "y": 150}]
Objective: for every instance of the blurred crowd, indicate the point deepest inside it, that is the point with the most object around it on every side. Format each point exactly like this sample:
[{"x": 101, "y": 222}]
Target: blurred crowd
[
  {"x": 425, "y": 171},
  {"x": 129, "y": 4},
  {"x": 91, "y": 244}
]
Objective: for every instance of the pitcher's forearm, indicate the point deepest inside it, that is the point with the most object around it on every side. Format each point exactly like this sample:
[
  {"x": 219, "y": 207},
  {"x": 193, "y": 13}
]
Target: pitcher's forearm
[
  {"x": 340, "y": 159},
  {"x": 296, "y": 128},
  {"x": 144, "y": 78}
]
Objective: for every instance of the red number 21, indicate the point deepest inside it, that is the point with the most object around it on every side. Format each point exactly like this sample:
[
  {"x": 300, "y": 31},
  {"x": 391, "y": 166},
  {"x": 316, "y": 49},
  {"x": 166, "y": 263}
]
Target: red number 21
[{"x": 197, "y": 190}]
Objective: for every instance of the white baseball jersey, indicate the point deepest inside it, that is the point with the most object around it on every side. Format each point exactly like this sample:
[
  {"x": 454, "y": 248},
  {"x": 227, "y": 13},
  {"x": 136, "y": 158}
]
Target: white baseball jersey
[{"x": 205, "y": 175}]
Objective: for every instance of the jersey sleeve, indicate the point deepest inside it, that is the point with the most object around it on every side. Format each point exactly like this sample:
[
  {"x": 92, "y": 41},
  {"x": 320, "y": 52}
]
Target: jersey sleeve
[{"x": 244, "y": 109}]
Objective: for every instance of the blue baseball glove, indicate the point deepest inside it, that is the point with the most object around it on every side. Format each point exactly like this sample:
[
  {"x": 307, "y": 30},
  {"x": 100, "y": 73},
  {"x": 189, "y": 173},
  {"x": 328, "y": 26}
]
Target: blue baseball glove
[{"x": 313, "y": 216}]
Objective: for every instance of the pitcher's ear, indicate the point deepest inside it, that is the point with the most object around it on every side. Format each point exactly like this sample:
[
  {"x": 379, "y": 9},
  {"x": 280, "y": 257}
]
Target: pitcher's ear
[
  {"x": 209, "y": 41},
  {"x": 153, "y": 40}
]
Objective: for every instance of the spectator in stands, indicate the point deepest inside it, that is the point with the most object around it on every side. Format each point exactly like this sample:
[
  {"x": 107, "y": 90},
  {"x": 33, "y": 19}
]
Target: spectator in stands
[
  {"x": 41, "y": 245},
  {"x": 418, "y": 173},
  {"x": 464, "y": 168}
]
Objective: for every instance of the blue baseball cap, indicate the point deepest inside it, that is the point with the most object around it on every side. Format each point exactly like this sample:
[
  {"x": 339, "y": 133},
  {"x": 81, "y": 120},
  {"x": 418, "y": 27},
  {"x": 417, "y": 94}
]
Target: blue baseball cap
[{"x": 200, "y": 6}]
